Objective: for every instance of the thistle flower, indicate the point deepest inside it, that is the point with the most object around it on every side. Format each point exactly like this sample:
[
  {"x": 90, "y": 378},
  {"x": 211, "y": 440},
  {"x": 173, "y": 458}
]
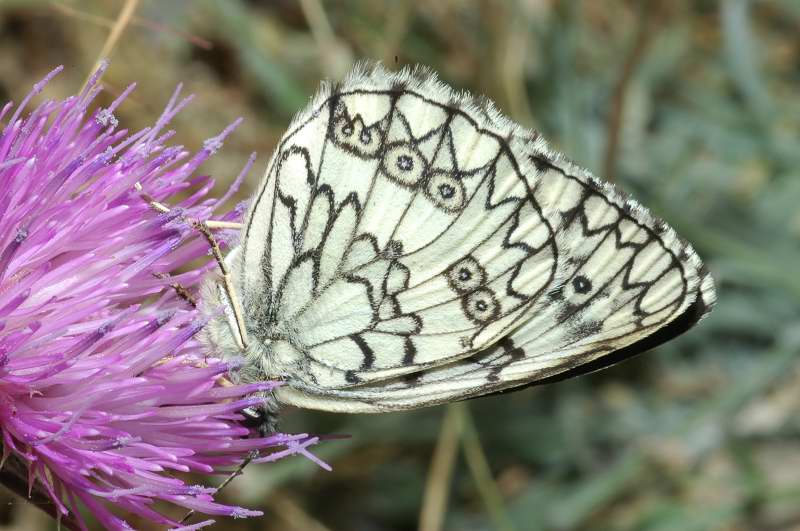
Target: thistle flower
[{"x": 104, "y": 392}]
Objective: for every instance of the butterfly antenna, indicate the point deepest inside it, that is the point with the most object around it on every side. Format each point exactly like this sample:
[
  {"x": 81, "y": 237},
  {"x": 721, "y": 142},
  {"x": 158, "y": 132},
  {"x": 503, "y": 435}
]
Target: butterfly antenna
[
  {"x": 205, "y": 227},
  {"x": 180, "y": 290},
  {"x": 227, "y": 283},
  {"x": 238, "y": 472}
]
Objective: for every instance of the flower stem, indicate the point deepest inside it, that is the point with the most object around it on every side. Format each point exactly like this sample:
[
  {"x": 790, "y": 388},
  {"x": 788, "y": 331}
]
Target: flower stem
[{"x": 14, "y": 477}]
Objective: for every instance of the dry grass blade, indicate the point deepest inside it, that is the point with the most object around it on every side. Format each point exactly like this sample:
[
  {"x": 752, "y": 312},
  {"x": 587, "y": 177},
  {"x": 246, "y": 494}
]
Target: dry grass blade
[
  {"x": 104, "y": 22},
  {"x": 335, "y": 57},
  {"x": 644, "y": 37},
  {"x": 293, "y": 514},
  {"x": 437, "y": 487},
  {"x": 481, "y": 473},
  {"x": 124, "y": 18}
]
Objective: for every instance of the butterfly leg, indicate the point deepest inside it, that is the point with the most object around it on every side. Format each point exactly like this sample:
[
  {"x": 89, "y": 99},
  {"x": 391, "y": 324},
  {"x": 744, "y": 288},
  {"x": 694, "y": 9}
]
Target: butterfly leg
[
  {"x": 238, "y": 472},
  {"x": 180, "y": 290},
  {"x": 205, "y": 227},
  {"x": 264, "y": 419},
  {"x": 161, "y": 207}
]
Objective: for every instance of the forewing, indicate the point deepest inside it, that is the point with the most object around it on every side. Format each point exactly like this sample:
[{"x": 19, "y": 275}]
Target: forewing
[
  {"x": 411, "y": 246},
  {"x": 380, "y": 201}
]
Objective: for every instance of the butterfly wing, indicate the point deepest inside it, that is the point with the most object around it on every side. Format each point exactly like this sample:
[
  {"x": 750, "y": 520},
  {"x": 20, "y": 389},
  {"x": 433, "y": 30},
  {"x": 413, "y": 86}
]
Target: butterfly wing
[
  {"x": 629, "y": 285},
  {"x": 410, "y": 246}
]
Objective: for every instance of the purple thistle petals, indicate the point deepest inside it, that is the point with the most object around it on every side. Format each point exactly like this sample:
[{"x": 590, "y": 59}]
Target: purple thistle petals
[
  {"x": 11, "y": 248},
  {"x": 194, "y": 527},
  {"x": 104, "y": 391},
  {"x": 208, "y": 410},
  {"x": 293, "y": 447},
  {"x": 7, "y": 107},
  {"x": 37, "y": 88},
  {"x": 14, "y": 303},
  {"x": 204, "y": 504},
  {"x": 217, "y": 393},
  {"x": 237, "y": 183}
]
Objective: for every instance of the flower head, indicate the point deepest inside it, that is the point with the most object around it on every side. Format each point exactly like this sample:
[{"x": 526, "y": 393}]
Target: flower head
[{"x": 104, "y": 393}]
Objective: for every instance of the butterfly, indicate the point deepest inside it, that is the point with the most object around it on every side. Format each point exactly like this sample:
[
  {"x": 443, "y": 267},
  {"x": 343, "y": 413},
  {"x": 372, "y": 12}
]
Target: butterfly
[{"x": 409, "y": 246}]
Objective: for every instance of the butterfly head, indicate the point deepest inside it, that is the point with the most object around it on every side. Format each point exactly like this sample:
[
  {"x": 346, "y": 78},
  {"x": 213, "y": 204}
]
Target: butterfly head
[{"x": 253, "y": 351}]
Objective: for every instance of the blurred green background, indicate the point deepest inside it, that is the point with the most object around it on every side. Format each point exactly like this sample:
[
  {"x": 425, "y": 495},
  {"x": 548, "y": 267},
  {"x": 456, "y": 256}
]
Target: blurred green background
[{"x": 692, "y": 106}]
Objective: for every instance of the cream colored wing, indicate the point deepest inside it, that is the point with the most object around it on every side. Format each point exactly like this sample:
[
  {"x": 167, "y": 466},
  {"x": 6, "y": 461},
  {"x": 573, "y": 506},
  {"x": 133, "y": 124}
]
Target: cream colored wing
[{"x": 411, "y": 246}]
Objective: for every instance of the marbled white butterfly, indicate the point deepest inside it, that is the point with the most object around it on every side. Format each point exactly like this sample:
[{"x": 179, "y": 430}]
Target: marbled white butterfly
[{"x": 410, "y": 246}]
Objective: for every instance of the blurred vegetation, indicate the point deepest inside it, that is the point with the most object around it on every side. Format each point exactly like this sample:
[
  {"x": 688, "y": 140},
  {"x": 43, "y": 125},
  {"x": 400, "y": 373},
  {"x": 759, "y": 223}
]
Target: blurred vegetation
[{"x": 691, "y": 105}]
